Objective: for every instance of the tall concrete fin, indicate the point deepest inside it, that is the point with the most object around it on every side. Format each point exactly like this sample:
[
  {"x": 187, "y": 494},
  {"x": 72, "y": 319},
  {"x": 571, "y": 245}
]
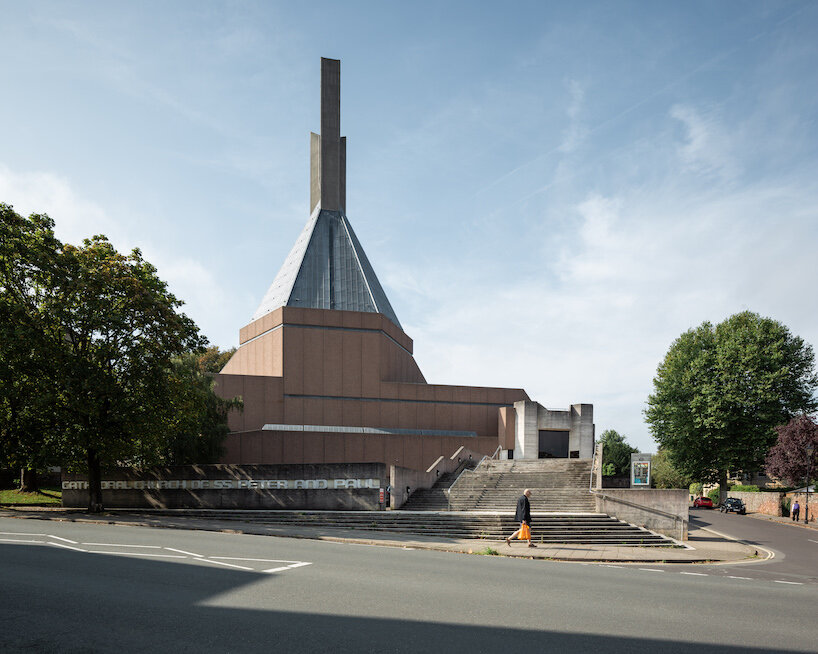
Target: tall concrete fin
[{"x": 327, "y": 267}]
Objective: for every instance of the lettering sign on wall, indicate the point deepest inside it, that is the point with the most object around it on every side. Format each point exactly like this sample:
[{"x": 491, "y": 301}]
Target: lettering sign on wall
[{"x": 230, "y": 484}]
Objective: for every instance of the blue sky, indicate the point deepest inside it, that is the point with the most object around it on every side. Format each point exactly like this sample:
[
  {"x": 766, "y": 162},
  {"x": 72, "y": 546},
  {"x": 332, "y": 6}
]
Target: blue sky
[{"x": 550, "y": 193}]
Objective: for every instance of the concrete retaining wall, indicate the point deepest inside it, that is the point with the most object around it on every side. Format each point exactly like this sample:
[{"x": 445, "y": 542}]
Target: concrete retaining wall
[
  {"x": 336, "y": 487},
  {"x": 401, "y": 478},
  {"x": 662, "y": 511}
]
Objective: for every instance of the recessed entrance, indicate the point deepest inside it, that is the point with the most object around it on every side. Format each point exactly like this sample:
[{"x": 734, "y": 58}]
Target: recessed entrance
[{"x": 553, "y": 444}]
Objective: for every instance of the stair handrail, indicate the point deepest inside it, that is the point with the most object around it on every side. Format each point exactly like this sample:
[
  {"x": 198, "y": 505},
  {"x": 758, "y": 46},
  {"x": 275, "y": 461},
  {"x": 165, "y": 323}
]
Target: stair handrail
[{"x": 454, "y": 483}]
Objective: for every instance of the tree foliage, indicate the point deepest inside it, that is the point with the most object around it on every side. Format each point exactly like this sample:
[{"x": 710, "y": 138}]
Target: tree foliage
[
  {"x": 616, "y": 453},
  {"x": 197, "y": 426},
  {"x": 101, "y": 332},
  {"x": 790, "y": 458},
  {"x": 720, "y": 392},
  {"x": 664, "y": 474},
  {"x": 28, "y": 393}
]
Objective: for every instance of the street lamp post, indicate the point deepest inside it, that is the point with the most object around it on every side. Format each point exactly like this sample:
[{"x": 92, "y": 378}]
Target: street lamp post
[{"x": 810, "y": 450}]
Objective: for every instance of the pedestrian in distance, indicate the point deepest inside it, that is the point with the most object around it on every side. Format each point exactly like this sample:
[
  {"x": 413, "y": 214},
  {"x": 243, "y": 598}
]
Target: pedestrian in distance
[
  {"x": 796, "y": 510},
  {"x": 523, "y": 516}
]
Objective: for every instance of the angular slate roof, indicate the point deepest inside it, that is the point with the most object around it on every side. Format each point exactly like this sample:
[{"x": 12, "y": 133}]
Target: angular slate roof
[{"x": 327, "y": 269}]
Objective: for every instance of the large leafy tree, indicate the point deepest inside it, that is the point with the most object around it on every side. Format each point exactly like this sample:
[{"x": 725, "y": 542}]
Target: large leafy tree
[
  {"x": 29, "y": 255},
  {"x": 107, "y": 331},
  {"x": 721, "y": 391},
  {"x": 616, "y": 453},
  {"x": 794, "y": 457}
]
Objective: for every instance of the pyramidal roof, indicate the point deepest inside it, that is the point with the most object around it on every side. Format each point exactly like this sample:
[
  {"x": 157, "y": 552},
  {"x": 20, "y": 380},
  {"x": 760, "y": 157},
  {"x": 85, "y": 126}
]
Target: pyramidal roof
[{"x": 327, "y": 269}]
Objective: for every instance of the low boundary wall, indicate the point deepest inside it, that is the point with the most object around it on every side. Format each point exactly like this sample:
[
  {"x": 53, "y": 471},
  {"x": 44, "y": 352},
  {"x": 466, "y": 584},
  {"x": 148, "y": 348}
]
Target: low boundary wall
[
  {"x": 334, "y": 487},
  {"x": 766, "y": 502},
  {"x": 662, "y": 511}
]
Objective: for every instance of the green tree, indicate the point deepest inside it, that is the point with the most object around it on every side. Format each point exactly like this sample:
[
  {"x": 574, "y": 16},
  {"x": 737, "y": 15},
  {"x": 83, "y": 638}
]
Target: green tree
[
  {"x": 664, "y": 474},
  {"x": 105, "y": 330},
  {"x": 213, "y": 359},
  {"x": 197, "y": 426},
  {"x": 29, "y": 254},
  {"x": 616, "y": 453},
  {"x": 720, "y": 391}
]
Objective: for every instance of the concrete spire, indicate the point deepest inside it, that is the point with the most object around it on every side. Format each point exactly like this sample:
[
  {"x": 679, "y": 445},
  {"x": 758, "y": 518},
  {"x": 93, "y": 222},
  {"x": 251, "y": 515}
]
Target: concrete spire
[{"x": 328, "y": 150}]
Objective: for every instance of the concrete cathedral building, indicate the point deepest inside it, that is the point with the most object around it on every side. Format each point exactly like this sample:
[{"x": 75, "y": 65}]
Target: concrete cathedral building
[{"x": 327, "y": 373}]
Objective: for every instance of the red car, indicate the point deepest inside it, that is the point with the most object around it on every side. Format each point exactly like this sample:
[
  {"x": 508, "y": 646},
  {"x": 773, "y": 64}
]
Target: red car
[{"x": 703, "y": 502}]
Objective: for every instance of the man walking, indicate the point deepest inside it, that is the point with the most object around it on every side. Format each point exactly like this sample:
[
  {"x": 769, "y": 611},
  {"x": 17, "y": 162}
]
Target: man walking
[
  {"x": 523, "y": 516},
  {"x": 796, "y": 510}
]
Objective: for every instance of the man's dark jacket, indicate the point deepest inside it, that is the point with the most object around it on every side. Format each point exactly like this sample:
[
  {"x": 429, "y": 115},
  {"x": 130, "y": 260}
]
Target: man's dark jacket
[{"x": 523, "y": 513}]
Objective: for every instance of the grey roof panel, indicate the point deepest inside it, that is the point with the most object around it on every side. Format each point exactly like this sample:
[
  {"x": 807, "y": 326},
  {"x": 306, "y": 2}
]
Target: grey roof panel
[{"x": 327, "y": 269}]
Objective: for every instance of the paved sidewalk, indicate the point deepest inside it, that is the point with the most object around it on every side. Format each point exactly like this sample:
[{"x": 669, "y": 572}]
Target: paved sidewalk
[
  {"x": 703, "y": 546},
  {"x": 786, "y": 520}
]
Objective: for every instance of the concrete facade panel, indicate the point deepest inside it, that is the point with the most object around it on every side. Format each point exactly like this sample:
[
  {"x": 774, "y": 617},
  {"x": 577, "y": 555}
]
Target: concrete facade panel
[
  {"x": 293, "y": 447},
  {"x": 313, "y": 361},
  {"x": 313, "y": 447},
  {"x": 389, "y": 414},
  {"x": 232, "y": 448},
  {"x": 253, "y": 402},
  {"x": 272, "y": 447},
  {"x": 293, "y": 360},
  {"x": 313, "y": 411},
  {"x": 371, "y": 414},
  {"x": 334, "y": 412},
  {"x": 352, "y": 363},
  {"x": 370, "y": 364},
  {"x": 251, "y": 451},
  {"x": 354, "y": 448},
  {"x": 293, "y": 411},
  {"x": 352, "y": 413},
  {"x": 374, "y": 448},
  {"x": 334, "y": 448},
  {"x": 444, "y": 416},
  {"x": 333, "y": 363},
  {"x": 408, "y": 415}
]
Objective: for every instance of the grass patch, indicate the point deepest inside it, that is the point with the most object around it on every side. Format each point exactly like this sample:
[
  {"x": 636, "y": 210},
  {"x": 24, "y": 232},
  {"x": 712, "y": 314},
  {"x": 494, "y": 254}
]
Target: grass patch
[
  {"x": 488, "y": 551},
  {"x": 46, "y": 495}
]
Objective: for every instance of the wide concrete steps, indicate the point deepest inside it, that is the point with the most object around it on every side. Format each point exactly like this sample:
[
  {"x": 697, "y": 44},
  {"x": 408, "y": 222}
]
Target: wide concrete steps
[
  {"x": 551, "y": 528},
  {"x": 556, "y": 485}
]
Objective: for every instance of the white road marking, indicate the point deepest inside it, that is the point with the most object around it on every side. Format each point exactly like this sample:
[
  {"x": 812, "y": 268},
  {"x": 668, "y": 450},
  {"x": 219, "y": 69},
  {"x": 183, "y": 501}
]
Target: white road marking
[
  {"x": 794, "y": 583},
  {"x": 67, "y": 540},
  {"x": 229, "y": 565},
  {"x": 812, "y": 541},
  {"x": 68, "y": 547},
  {"x": 651, "y": 570},
  {"x": 120, "y": 553},
  {"x": 173, "y": 549},
  {"x": 612, "y": 566},
  {"x": 732, "y": 577},
  {"x": 149, "y": 547},
  {"x": 19, "y": 540},
  {"x": 695, "y": 574},
  {"x": 288, "y": 567},
  {"x": 235, "y": 558}
]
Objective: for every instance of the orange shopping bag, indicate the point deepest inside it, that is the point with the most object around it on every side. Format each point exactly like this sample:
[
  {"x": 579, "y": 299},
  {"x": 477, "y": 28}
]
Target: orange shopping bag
[{"x": 525, "y": 532}]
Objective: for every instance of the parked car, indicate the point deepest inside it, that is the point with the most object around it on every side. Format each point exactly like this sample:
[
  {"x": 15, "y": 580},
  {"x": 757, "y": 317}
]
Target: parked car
[
  {"x": 733, "y": 505},
  {"x": 705, "y": 502}
]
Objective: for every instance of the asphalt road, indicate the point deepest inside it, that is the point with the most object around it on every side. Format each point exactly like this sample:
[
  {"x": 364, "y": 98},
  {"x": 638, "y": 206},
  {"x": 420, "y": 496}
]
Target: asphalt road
[
  {"x": 795, "y": 548},
  {"x": 69, "y": 587}
]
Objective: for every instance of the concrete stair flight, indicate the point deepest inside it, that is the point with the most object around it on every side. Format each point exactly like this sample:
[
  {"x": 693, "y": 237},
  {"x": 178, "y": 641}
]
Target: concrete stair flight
[
  {"x": 557, "y": 485},
  {"x": 593, "y": 529}
]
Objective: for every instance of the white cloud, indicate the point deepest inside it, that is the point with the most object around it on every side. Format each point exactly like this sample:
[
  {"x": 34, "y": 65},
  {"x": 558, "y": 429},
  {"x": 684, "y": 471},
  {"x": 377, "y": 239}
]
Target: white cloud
[
  {"x": 708, "y": 148},
  {"x": 206, "y": 299}
]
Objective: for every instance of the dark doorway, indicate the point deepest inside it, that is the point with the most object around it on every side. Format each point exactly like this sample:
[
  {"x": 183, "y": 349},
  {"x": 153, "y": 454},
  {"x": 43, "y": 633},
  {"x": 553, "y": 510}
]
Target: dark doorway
[{"x": 553, "y": 444}]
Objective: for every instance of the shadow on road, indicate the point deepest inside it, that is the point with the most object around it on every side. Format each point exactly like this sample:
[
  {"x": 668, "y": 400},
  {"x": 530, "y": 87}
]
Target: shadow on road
[{"x": 66, "y": 601}]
